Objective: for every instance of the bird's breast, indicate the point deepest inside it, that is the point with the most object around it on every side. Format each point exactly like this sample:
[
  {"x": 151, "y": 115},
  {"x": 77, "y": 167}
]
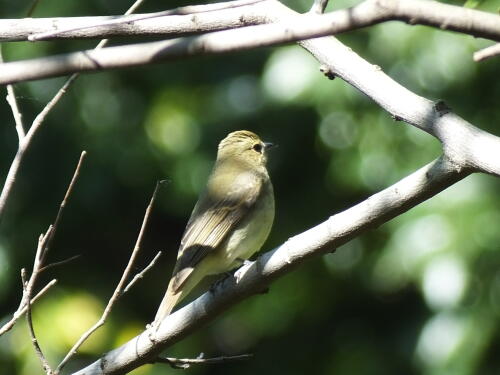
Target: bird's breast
[{"x": 251, "y": 233}]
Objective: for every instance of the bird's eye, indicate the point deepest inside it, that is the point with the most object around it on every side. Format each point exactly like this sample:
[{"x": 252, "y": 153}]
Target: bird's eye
[{"x": 257, "y": 147}]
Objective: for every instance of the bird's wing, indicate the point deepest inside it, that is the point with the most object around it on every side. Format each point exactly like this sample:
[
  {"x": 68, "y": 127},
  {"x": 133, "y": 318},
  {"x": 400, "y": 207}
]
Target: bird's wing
[{"x": 211, "y": 222}]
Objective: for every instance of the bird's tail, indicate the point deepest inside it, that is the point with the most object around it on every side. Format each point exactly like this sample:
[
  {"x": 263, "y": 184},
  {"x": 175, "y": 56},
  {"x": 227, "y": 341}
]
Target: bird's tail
[{"x": 170, "y": 299}]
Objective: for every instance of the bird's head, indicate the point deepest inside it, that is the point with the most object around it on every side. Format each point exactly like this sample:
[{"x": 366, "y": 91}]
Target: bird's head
[{"x": 245, "y": 146}]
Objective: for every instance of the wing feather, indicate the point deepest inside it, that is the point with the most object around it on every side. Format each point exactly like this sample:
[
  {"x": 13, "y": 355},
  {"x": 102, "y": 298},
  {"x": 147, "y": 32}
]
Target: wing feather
[{"x": 211, "y": 222}]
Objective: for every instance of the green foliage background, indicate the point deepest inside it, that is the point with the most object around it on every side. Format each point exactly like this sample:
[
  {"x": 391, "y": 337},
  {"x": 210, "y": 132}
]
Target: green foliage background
[{"x": 419, "y": 295}]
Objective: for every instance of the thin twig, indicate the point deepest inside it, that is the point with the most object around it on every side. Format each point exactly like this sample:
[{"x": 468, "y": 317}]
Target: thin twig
[
  {"x": 34, "y": 341},
  {"x": 60, "y": 263},
  {"x": 129, "y": 11},
  {"x": 190, "y": 9},
  {"x": 42, "y": 250},
  {"x": 118, "y": 290},
  {"x": 9, "y": 180},
  {"x": 32, "y": 8},
  {"x": 11, "y": 99},
  {"x": 46, "y": 110},
  {"x": 60, "y": 212},
  {"x": 487, "y": 52},
  {"x": 23, "y": 146},
  {"x": 22, "y": 309},
  {"x": 18, "y": 117},
  {"x": 141, "y": 274},
  {"x": 37, "y": 265},
  {"x": 44, "y": 240},
  {"x": 184, "y": 363}
]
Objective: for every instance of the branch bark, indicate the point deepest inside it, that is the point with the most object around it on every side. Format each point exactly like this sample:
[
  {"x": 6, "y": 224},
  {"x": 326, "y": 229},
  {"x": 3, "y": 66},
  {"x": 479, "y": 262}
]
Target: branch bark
[
  {"x": 465, "y": 144},
  {"x": 431, "y": 13},
  {"x": 186, "y": 10},
  {"x": 466, "y": 149},
  {"x": 256, "y": 276},
  {"x": 293, "y": 27},
  {"x": 487, "y": 53}
]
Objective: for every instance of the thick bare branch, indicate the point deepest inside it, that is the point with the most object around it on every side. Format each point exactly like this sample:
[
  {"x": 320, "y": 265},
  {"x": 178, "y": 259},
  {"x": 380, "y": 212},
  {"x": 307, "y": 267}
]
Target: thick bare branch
[
  {"x": 292, "y": 27},
  {"x": 429, "y": 116},
  {"x": 456, "y": 134},
  {"x": 465, "y": 144},
  {"x": 92, "y": 27},
  {"x": 461, "y": 157},
  {"x": 255, "y": 276},
  {"x": 430, "y": 13},
  {"x": 186, "y": 10}
]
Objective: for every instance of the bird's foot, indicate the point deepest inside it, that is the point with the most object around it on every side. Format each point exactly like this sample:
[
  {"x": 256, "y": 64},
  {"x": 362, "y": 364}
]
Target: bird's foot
[
  {"x": 244, "y": 262},
  {"x": 243, "y": 269}
]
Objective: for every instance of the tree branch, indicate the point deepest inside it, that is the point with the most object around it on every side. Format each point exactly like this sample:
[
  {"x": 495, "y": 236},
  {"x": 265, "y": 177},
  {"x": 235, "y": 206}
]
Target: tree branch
[
  {"x": 487, "y": 53},
  {"x": 22, "y": 308},
  {"x": 255, "y": 276},
  {"x": 12, "y": 30},
  {"x": 42, "y": 249},
  {"x": 429, "y": 13},
  {"x": 16, "y": 113},
  {"x": 34, "y": 340},
  {"x": 35, "y": 126},
  {"x": 119, "y": 290},
  {"x": 59, "y": 263},
  {"x": 141, "y": 274},
  {"x": 294, "y": 27},
  {"x": 60, "y": 212},
  {"x": 185, "y": 363},
  {"x": 465, "y": 144},
  {"x": 459, "y": 160},
  {"x": 129, "y": 19}
]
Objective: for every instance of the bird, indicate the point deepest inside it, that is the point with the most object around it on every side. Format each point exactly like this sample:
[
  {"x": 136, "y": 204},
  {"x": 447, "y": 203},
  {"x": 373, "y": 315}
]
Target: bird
[{"x": 230, "y": 221}]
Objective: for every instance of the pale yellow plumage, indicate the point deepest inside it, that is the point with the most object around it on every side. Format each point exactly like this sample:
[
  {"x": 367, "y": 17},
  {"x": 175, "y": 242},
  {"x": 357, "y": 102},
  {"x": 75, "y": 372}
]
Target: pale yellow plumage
[{"x": 230, "y": 221}]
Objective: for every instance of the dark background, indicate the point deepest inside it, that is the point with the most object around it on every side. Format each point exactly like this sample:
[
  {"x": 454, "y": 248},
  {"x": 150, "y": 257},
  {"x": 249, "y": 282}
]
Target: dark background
[{"x": 419, "y": 295}]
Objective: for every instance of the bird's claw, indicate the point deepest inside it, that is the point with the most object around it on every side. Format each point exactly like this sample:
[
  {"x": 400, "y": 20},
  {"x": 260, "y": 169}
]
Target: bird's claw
[{"x": 241, "y": 271}]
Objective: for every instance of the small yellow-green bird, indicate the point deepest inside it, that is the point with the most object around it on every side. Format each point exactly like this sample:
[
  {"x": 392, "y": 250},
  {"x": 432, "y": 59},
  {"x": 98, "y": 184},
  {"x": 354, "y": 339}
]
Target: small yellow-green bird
[{"x": 231, "y": 219}]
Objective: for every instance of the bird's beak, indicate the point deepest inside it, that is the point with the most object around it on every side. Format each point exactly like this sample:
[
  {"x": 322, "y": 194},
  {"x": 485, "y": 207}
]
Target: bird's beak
[{"x": 269, "y": 145}]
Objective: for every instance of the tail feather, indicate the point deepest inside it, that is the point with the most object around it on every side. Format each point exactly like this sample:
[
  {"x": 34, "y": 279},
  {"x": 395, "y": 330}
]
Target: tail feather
[
  {"x": 176, "y": 291},
  {"x": 167, "y": 304}
]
